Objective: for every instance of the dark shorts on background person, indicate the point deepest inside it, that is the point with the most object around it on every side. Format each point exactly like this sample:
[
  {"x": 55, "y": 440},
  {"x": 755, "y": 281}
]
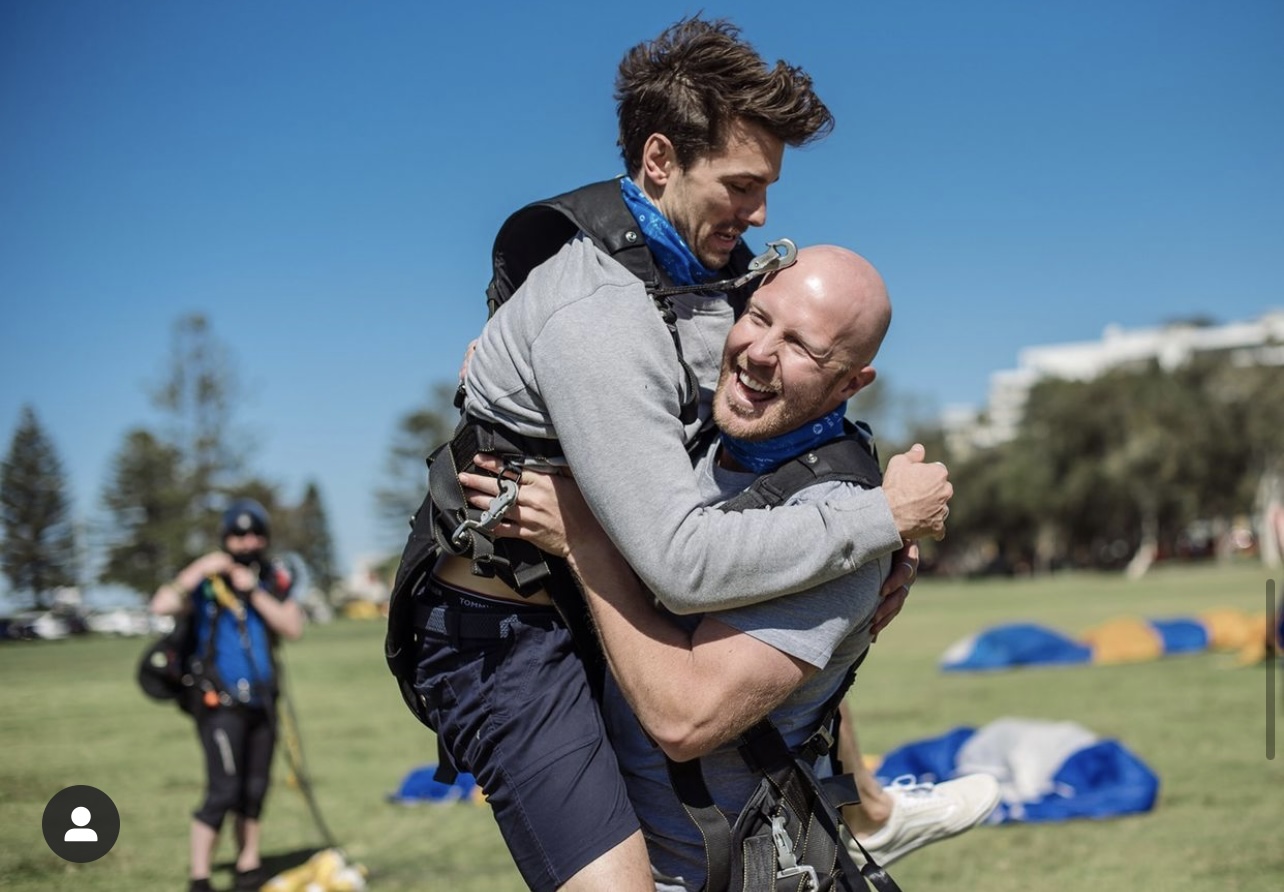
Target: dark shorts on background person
[
  {"x": 510, "y": 702},
  {"x": 238, "y": 742}
]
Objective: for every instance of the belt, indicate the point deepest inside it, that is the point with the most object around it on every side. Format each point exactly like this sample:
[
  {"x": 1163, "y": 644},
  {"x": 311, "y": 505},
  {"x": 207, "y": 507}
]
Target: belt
[{"x": 449, "y": 611}]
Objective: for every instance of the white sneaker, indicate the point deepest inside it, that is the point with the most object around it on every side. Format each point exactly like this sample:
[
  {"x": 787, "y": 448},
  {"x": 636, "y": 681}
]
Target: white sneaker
[{"x": 926, "y": 813}]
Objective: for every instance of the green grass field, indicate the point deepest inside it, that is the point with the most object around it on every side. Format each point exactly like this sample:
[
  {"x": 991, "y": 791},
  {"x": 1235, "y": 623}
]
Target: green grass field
[{"x": 70, "y": 714}]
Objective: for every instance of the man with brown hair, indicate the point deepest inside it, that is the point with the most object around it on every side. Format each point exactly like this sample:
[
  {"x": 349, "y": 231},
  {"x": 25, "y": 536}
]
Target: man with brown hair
[{"x": 579, "y": 367}]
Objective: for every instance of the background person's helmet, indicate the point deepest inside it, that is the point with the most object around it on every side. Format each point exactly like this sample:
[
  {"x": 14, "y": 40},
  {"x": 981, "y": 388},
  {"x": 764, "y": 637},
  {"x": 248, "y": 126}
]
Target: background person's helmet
[{"x": 244, "y": 516}]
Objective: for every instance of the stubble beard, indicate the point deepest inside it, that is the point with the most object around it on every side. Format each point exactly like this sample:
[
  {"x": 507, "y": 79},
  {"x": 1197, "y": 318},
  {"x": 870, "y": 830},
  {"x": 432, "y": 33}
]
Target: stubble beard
[{"x": 780, "y": 417}]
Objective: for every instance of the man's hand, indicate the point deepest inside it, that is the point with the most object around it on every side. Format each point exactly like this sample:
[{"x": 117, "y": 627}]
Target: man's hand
[
  {"x": 216, "y": 563},
  {"x": 918, "y": 493},
  {"x": 895, "y": 588},
  {"x": 244, "y": 579},
  {"x": 550, "y": 512}
]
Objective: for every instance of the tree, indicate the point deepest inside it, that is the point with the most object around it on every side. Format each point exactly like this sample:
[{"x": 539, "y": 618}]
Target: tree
[
  {"x": 168, "y": 487},
  {"x": 197, "y": 396},
  {"x": 418, "y": 433},
  {"x": 313, "y": 543},
  {"x": 146, "y": 498},
  {"x": 1121, "y": 465},
  {"x": 39, "y": 550}
]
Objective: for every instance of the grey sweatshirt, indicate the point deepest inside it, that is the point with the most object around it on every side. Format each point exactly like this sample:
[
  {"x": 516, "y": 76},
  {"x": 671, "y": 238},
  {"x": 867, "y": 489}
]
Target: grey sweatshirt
[{"x": 580, "y": 353}]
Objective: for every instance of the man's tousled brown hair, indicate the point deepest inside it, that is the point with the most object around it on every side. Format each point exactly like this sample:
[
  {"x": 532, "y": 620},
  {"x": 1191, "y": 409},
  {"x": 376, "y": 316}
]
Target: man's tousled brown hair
[{"x": 698, "y": 77}]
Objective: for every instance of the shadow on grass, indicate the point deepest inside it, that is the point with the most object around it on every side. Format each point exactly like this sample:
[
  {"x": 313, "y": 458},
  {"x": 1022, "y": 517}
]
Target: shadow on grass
[{"x": 276, "y": 863}]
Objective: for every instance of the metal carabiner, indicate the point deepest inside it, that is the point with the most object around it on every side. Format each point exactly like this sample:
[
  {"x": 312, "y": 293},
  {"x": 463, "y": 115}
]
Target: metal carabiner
[
  {"x": 788, "y": 861},
  {"x": 811, "y": 884},
  {"x": 493, "y": 514},
  {"x": 780, "y": 254}
]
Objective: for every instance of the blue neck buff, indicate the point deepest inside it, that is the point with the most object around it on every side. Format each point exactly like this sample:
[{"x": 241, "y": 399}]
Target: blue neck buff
[
  {"x": 668, "y": 247},
  {"x": 761, "y": 456}
]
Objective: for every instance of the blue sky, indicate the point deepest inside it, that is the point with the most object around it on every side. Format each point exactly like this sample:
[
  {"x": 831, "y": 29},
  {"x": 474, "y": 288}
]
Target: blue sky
[{"x": 323, "y": 179}]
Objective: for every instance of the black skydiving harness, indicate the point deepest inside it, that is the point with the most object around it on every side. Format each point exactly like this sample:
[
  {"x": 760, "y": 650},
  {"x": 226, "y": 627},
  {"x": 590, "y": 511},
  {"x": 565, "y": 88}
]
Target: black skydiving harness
[
  {"x": 203, "y": 675},
  {"x": 445, "y": 523},
  {"x": 786, "y": 838}
]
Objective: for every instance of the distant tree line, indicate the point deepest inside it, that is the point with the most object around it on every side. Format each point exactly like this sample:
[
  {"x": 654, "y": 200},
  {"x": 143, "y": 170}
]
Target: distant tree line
[
  {"x": 1126, "y": 466},
  {"x": 165, "y": 492}
]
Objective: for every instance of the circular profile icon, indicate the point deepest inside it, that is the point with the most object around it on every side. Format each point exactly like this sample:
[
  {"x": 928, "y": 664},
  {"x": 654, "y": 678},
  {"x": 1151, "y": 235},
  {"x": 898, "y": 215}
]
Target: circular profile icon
[{"x": 81, "y": 824}]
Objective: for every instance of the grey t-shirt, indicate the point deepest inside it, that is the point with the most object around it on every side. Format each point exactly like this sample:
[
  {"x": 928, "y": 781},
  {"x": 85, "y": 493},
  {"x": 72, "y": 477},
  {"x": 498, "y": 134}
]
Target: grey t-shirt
[
  {"x": 581, "y": 353},
  {"x": 826, "y": 626}
]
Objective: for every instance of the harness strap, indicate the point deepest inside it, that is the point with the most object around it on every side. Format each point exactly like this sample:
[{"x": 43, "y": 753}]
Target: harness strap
[
  {"x": 766, "y": 753},
  {"x": 687, "y": 779},
  {"x": 205, "y": 661},
  {"x": 538, "y": 231},
  {"x": 691, "y": 391},
  {"x": 445, "y": 498},
  {"x": 850, "y": 457}
]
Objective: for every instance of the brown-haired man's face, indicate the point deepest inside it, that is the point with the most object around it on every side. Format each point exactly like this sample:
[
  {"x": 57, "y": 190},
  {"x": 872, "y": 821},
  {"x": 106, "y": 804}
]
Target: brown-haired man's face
[{"x": 715, "y": 199}]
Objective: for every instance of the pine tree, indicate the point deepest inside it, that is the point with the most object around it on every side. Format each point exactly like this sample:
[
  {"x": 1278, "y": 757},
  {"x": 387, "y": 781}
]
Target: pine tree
[
  {"x": 315, "y": 545},
  {"x": 418, "y": 433},
  {"x": 168, "y": 487},
  {"x": 39, "y": 551},
  {"x": 146, "y": 499},
  {"x": 197, "y": 397}
]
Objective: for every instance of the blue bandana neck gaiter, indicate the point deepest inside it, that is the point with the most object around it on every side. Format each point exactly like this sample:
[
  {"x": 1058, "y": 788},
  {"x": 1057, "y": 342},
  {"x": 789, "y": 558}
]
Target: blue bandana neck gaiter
[
  {"x": 761, "y": 456},
  {"x": 669, "y": 248}
]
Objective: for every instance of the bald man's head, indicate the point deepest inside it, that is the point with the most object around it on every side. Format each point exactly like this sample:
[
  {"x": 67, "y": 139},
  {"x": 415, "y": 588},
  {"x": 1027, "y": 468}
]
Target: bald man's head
[
  {"x": 804, "y": 344},
  {"x": 848, "y": 293}
]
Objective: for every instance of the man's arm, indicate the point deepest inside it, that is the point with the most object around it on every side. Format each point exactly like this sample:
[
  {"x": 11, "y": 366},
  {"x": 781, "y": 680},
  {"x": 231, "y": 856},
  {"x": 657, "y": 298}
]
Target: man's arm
[
  {"x": 172, "y": 598},
  {"x": 692, "y": 691},
  {"x": 283, "y": 616}
]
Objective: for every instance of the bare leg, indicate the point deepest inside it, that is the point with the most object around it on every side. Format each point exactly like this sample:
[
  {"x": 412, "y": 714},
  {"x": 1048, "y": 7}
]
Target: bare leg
[
  {"x": 893, "y": 822},
  {"x": 625, "y": 868},
  {"x": 875, "y": 805},
  {"x": 248, "y": 833},
  {"x": 204, "y": 839}
]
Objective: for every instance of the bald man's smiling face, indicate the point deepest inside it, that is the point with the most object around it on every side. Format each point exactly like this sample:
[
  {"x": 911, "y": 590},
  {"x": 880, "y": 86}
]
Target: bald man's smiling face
[
  {"x": 781, "y": 367},
  {"x": 802, "y": 346}
]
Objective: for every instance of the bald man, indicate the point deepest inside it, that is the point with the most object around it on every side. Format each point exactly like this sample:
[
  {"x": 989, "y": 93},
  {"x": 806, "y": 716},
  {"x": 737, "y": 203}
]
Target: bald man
[{"x": 804, "y": 345}]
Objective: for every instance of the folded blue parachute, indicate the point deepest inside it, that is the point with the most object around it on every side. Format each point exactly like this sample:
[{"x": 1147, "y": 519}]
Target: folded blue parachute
[
  {"x": 421, "y": 786},
  {"x": 1017, "y": 644},
  {"x": 1047, "y": 771}
]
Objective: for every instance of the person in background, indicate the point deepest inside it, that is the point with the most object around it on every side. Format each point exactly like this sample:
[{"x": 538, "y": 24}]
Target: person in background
[{"x": 240, "y": 607}]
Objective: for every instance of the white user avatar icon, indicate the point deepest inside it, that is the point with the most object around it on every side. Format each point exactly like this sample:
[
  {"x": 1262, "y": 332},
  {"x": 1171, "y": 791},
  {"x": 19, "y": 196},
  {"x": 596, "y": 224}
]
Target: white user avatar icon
[{"x": 80, "y": 833}]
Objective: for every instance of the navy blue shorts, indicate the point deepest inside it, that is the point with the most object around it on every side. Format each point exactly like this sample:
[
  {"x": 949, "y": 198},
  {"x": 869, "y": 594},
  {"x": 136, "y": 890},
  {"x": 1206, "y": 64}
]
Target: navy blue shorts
[{"x": 516, "y": 713}]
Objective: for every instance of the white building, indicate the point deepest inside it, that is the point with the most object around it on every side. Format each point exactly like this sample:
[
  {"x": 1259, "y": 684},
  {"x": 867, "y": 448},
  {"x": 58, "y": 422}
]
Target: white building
[{"x": 1257, "y": 342}]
